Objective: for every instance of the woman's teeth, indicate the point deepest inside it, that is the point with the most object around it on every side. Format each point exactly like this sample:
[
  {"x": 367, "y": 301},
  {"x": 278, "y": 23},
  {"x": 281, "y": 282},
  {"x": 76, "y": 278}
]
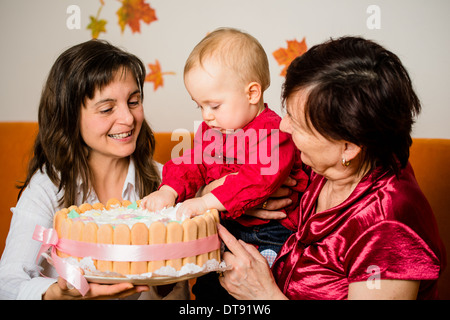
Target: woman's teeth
[{"x": 121, "y": 135}]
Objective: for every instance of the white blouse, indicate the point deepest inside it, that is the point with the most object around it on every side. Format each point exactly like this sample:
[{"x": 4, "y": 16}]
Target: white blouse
[{"x": 20, "y": 276}]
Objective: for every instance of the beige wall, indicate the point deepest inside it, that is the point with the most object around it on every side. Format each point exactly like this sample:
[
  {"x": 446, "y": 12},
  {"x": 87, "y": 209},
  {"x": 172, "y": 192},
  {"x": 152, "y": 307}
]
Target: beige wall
[{"x": 34, "y": 33}]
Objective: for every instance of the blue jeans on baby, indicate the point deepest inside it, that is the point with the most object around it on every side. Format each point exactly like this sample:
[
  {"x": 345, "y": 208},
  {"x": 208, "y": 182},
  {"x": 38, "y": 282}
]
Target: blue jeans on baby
[{"x": 268, "y": 238}]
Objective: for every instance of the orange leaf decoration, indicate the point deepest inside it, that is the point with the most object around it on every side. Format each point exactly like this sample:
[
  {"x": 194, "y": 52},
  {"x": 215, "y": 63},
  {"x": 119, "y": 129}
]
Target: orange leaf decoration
[
  {"x": 132, "y": 12},
  {"x": 284, "y": 57},
  {"x": 156, "y": 76},
  {"x": 96, "y": 26}
]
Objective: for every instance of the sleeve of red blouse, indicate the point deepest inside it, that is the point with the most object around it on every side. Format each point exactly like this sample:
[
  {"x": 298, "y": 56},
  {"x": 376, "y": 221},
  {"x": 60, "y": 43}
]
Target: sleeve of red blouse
[
  {"x": 391, "y": 250},
  {"x": 186, "y": 174},
  {"x": 254, "y": 183},
  {"x": 185, "y": 178}
]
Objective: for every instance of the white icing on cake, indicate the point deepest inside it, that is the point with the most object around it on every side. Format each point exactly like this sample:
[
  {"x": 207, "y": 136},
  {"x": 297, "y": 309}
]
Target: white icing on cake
[{"x": 126, "y": 215}]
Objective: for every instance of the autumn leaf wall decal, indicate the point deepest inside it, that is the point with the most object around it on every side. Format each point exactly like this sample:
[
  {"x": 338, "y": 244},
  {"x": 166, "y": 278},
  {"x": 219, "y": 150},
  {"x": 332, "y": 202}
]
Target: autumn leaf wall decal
[
  {"x": 156, "y": 75},
  {"x": 131, "y": 13},
  {"x": 97, "y": 25},
  {"x": 284, "y": 56}
]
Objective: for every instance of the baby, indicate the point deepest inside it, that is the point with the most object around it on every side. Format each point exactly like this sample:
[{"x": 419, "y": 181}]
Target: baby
[{"x": 238, "y": 145}]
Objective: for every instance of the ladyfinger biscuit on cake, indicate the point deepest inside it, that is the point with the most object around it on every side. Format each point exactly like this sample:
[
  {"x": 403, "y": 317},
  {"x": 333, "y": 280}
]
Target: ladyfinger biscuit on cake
[
  {"x": 126, "y": 203},
  {"x": 76, "y": 232},
  {"x": 90, "y": 235},
  {"x": 66, "y": 227},
  {"x": 139, "y": 236},
  {"x": 189, "y": 233},
  {"x": 215, "y": 214},
  {"x": 105, "y": 236},
  {"x": 60, "y": 216},
  {"x": 74, "y": 207},
  {"x": 98, "y": 206},
  {"x": 122, "y": 235},
  {"x": 112, "y": 203},
  {"x": 157, "y": 235},
  {"x": 211, "y": 230},
  {"x": 174, "y": 235},
  {"x": 85, "y": 207},
  {"x": 201, "y": 233}
]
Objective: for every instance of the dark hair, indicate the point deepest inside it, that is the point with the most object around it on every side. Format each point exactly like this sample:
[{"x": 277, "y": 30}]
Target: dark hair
[
  {"x": 59, "y": 148},
  {"x": 358, "y": 92}
]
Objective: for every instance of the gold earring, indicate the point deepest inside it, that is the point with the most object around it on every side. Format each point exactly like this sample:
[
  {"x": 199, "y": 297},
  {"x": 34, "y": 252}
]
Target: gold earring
[{"x": 345, "y": 163}]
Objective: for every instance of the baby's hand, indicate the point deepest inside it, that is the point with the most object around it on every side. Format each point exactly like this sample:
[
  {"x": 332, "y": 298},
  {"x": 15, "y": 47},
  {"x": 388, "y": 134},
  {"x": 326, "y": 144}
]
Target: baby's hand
[
  {"x": 191, "y": 208},
  {"x": 160, "y": 199}
]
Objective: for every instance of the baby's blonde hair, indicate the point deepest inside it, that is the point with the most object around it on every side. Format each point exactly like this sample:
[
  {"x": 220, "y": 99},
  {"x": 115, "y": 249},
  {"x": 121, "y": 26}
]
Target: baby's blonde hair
[{"x": 236, "y": 50}]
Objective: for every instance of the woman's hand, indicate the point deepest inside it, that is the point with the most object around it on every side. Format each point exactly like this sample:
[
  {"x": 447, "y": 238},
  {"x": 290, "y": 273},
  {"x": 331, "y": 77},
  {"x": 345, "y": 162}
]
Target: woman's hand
[
  {"x": 62, "y": 291},
  {"x": 250, "y": 276},
  {"x": 278, "y": 200}
]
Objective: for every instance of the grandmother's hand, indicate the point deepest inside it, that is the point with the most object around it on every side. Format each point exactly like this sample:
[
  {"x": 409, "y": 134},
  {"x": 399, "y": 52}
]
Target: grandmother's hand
[
  {"x": 277, "y": 201},
  {"x": 250, "y": 276}
]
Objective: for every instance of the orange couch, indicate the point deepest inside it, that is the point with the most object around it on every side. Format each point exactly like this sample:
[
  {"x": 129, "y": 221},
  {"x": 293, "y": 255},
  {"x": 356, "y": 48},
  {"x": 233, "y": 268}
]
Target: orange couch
[
  {"x": 16, "y": 143},
  {"x": 429, "y": 157}
]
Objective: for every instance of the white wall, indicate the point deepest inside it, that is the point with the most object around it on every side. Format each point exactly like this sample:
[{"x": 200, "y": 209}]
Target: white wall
[{"x": 34, "y": 33}]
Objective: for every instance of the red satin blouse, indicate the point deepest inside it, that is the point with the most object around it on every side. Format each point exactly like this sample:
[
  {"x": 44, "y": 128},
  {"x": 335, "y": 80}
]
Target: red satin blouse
[{"x": 384, "y": 230}]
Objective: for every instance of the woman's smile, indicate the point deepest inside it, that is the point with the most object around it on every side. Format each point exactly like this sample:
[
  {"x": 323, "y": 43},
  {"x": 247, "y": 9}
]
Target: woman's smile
[{"x": 121, "y": 136}]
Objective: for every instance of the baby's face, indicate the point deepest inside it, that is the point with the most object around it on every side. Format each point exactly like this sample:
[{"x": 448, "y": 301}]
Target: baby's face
[{"x": 221, "y": 96}]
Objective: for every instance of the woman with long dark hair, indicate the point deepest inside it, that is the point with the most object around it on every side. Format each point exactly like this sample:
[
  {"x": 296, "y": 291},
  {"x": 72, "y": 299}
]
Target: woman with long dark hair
[{"x": 93, "y": 144}]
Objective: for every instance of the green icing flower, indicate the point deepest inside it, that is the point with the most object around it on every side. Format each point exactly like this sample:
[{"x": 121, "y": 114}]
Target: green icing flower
[
  {"x": 133, "y": 205},
  {"x": 73, "y": 214}
]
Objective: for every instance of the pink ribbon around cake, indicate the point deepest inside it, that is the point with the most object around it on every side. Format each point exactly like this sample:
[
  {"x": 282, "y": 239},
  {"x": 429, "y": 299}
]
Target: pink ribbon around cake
[{"x": 114, "y": 252}]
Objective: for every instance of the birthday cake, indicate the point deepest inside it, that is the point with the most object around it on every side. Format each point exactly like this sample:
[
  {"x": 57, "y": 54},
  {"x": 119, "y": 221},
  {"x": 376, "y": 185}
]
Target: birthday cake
[{"x": 127, "y": 224}]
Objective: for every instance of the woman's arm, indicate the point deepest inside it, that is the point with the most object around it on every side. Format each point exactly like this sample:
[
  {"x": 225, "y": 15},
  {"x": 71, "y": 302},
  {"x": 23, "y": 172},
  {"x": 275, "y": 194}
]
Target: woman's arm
[
  {"x": 384, "y": 290},
  {"x": 250, "y": 276},
  {"x": 19, "y": 273}
]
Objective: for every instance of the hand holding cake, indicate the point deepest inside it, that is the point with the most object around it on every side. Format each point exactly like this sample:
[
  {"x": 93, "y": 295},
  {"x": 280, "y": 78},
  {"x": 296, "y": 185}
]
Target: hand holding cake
[
  {"x": 91, "y": 117},
  {"x": 61, "y": 290}
]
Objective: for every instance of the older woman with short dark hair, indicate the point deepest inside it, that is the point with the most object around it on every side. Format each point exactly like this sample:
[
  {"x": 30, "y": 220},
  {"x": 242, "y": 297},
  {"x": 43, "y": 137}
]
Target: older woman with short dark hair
[{"x": 366, "y": 229}]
